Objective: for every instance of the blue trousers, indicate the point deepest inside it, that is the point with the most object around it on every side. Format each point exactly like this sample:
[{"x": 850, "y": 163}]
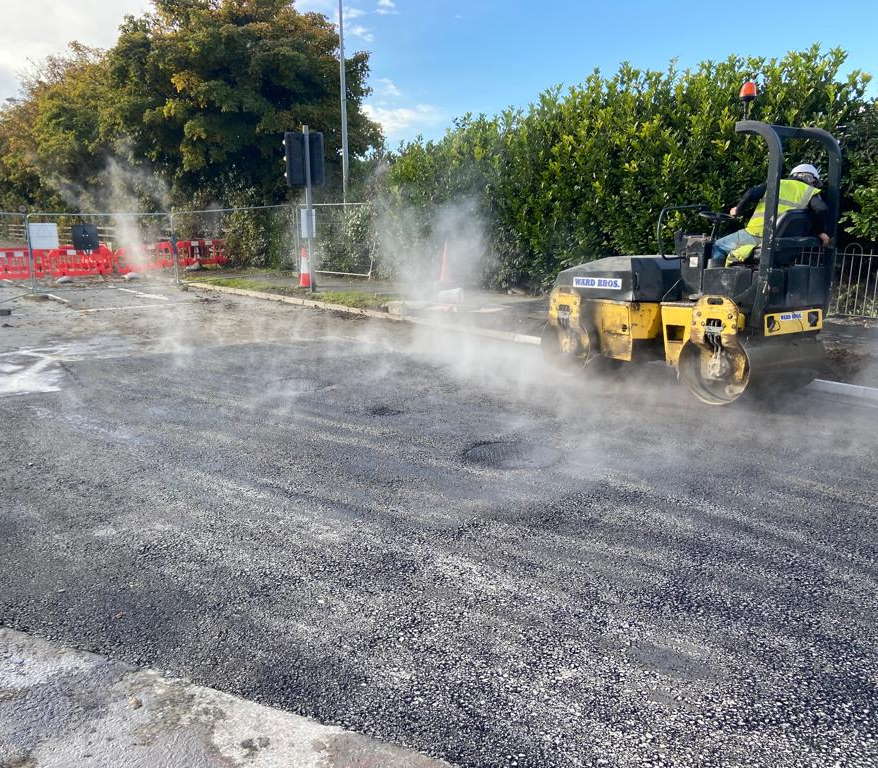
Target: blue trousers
[{"x": 725, "y": 245}]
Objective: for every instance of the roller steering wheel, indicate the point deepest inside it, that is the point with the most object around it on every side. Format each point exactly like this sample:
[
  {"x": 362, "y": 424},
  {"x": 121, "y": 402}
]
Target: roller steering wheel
[{"x": 715, "y": 217}]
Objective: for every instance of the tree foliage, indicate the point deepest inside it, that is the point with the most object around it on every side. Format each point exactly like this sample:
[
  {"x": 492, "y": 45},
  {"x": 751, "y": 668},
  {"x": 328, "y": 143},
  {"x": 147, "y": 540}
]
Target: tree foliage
[
  {"x": 861, "y": 145},
  {"x": 205, "y": 89},
  {"x": 199, "y": 92},
  {"x": 584, "y": 173},
  {"x": 50, "y": 137}
]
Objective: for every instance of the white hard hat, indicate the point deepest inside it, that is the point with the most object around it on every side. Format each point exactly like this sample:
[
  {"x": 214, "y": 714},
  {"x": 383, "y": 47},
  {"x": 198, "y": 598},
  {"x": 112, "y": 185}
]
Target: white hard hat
[{"x": 806, "y": 168}]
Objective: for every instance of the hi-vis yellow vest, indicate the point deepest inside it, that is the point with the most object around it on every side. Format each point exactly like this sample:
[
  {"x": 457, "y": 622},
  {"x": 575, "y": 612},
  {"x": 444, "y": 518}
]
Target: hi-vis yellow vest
[{"x": 794, "y": 195}]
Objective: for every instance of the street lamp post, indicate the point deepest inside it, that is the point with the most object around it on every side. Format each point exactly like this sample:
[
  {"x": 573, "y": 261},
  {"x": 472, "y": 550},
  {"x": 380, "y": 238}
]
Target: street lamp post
[{"x": 344, "y": 104}]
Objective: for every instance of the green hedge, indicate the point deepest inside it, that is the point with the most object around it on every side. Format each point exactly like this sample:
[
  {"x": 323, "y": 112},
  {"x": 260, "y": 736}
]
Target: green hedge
[{"x": 583, "y": 173}]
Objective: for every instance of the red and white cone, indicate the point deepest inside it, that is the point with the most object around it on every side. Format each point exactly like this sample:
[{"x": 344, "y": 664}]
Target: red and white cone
[{"x": 304, "y": 270}]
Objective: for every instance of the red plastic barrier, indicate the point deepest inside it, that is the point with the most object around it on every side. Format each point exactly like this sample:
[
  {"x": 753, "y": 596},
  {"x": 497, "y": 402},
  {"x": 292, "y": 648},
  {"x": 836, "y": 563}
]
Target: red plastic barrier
[
  {"x": 67, "y": 261},
  {"x": 144, "y": 258},
  {"x": 201, "y": 252},
  {"x": 215, "y": 250},
  {"x": 56, "y": 263},
  {"x": 188, "y": 252},
  {"x": 14, "y": 264}
]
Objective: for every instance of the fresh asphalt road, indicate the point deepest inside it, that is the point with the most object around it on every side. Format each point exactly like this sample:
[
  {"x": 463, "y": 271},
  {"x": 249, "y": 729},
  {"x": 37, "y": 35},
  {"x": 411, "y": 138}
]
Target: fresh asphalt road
[{"x": 436, "y": 541}]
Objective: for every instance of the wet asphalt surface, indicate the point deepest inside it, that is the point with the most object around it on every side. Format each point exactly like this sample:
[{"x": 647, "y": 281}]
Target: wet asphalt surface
[{"x": 438, "y": 542}]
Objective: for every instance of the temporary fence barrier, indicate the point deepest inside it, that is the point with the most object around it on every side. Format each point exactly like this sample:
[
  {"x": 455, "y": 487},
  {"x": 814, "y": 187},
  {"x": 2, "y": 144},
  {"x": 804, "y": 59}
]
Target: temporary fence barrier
[
  {"x": 343, "y": 238},
  {"x": 256, "y": 236},
  {"x": 204, "y": 252},
  {"x": 32, "y": 258},
  {"x": 270, "y": 237}
]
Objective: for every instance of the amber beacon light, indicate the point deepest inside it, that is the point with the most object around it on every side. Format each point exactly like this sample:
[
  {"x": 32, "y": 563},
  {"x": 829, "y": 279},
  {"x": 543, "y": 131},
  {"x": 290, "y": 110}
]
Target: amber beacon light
[{"x": 747, "y": 95}]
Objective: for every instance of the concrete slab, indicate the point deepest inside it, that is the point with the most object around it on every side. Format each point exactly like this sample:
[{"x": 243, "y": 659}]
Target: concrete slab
[{"x": 60, "y": 707}]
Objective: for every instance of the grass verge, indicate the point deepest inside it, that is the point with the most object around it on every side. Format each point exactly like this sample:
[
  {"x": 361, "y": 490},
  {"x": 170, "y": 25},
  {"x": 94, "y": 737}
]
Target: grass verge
[{"x": 357, "y": 299}]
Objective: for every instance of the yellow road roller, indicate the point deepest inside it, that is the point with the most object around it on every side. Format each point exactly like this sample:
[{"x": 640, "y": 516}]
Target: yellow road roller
[{"x": 753, "y": 326}]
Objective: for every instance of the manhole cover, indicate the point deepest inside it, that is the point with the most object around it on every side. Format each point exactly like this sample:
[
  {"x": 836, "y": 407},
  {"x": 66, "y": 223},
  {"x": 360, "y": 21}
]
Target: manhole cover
[{"x": 512, "y": 455}]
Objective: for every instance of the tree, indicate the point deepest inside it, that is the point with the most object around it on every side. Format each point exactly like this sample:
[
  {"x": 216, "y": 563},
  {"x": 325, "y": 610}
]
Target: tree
[
  {"x": 51, "y": 146},
  {"x": 204, "y": 90}
]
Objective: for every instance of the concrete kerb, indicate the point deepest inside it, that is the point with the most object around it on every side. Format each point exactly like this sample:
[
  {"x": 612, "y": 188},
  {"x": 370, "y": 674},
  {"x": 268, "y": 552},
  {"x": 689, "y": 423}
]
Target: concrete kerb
[
  {"x": 835, "y": 388},
  {"x": 841, "y": 389}
]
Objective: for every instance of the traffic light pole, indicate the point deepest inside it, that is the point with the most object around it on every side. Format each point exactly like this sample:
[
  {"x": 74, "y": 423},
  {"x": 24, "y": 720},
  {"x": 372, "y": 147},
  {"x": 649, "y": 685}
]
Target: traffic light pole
[{"x": 309, "y": 209}]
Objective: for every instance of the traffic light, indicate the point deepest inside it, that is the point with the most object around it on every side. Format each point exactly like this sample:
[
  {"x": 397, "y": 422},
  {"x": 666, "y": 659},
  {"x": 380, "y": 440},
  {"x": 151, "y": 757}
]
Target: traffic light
[{"x": 294, "y": 159}]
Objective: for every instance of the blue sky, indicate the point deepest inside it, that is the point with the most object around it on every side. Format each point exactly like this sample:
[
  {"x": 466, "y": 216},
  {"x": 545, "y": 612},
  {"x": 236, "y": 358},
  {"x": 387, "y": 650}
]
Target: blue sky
[{"x": 433, "y": 61}]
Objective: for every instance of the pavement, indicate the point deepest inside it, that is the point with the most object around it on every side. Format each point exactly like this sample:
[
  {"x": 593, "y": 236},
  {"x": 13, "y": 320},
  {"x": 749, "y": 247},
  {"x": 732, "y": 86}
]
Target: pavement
[
  {"x": 61, "y": 707},
  {"x": 435, "y": 542},
  {"x": 512, "y": 311}
]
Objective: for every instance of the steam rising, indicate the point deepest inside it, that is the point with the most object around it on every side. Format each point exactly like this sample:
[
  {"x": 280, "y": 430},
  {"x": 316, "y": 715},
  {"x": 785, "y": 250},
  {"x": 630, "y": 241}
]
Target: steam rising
[
  {"x": 127, "y": 189},
  {"x": 413, "y": 243}
]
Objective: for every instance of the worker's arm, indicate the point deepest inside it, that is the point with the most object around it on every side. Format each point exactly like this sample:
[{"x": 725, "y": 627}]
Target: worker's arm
[
  {"x": 818, "y": 210},
  {"x": 751, "y": 197}
]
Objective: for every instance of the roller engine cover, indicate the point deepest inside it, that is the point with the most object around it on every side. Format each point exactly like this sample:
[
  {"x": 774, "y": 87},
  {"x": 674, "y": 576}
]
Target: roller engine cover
[{"x": 624, "y": 278}]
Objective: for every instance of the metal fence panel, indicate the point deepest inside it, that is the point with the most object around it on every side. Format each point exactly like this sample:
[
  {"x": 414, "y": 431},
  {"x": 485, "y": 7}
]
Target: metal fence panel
[
  {"x": 344, "y": 242},
  {"x": 855, "y": 288},
  {"x": 261, "y": 236},
  {"x": 128, "y": 242},
  {"x": 14, "y": 254}
]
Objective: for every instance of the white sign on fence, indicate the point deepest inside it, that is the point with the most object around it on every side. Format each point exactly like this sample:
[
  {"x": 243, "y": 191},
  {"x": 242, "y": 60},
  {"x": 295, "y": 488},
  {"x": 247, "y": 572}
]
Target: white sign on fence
[
  {"x": 303, "y": 224},
  {"x": 43, "y": 236}
]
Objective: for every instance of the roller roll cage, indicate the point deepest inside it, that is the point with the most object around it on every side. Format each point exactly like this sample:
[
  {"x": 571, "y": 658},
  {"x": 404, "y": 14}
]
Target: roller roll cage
[{"x": 774, "y": 137}]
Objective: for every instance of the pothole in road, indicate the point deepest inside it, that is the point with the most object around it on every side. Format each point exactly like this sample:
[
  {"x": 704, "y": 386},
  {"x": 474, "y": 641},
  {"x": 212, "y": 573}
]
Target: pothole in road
[
  {"x": 298, "y": 386},
  {"x": 512, "y": 454},
  {"x": 384, "y": 410}
]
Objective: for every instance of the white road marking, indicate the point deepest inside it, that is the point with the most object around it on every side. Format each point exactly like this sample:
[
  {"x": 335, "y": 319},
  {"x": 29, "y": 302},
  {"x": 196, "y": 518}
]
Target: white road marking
[
  {"x": 39, "y": 376},
  {"x": 145, "y": 295},
  {"x": 39, "y": 352},
  {"x": 133, "y": 306}
]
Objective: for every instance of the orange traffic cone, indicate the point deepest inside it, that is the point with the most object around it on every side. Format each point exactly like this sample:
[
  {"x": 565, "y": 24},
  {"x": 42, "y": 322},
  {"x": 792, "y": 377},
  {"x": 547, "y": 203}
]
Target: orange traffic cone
[
  {"x": 443, "y": 266},
  {"x": 304, "y": 270}
]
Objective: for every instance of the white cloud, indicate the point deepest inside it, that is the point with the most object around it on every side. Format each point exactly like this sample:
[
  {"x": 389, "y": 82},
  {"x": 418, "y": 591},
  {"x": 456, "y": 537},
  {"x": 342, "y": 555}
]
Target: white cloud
[
  {"x": 329, "y": 8},
  {"x": 386, "y": 7},
  {"x": 358, "y": 30},
  {"x": 386, "y": 88},
  {"x": 34, "y": 29},
  {"x": 402, "y": 122}
]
